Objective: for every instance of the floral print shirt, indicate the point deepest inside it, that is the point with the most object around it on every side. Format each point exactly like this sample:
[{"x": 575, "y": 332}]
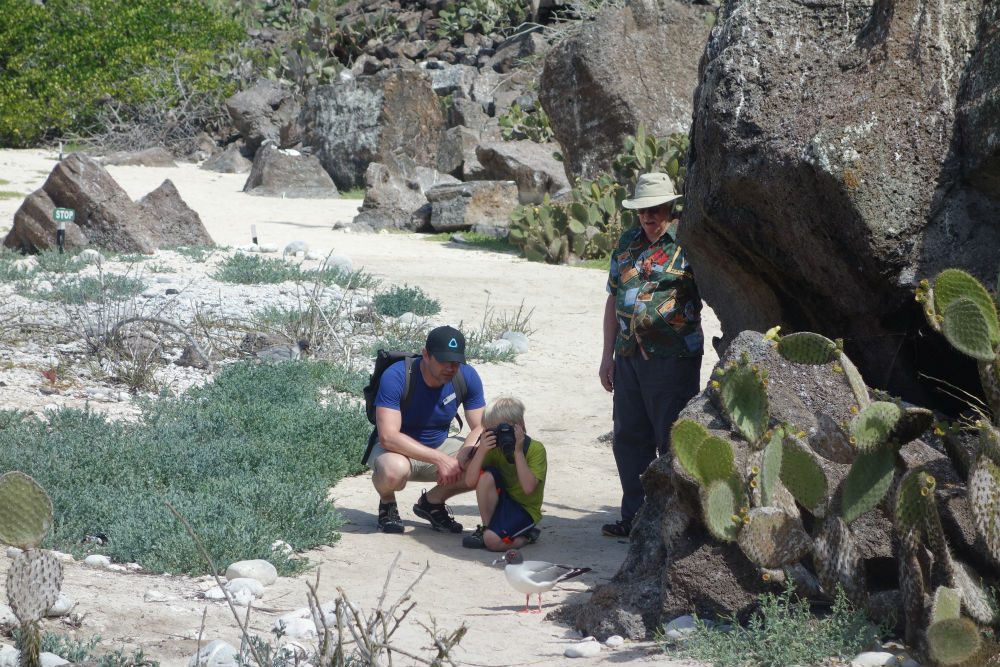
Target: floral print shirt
[{"x": 657, "y": 304}]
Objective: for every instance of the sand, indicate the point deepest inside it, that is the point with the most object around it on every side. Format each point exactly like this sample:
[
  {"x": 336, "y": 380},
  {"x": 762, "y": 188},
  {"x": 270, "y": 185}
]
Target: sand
[{"x": 566, "y": 408}]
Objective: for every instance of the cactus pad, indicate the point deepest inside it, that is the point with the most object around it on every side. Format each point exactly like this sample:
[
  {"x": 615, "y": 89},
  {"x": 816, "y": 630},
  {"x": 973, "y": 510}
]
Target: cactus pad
[
  {"x": 975, "y": 600},
  {"x": 947, "y": 604},
  {"x": 770, "y": 468},
  {"x": 954, "y": 284},
  {"x": 914, "y": 500},
  {"x": 686, "y": 437},
  {"x": 968, "y": 330},
  {"x": 802, "y": 475},
  {"x": 806, "y": 347},
  {"x": 744, "y": 399},
  {"x": 714, "y": 460},
  {"x": 867, "y": 482},
  {"x": 33, "y": 582},
  {"x": 984, "y": 500},
  {"x": 912, "y": 424},
  {"x": 953, "y": 641},
  {"x": 29, "y": 643},
  {"x": 27, "y": 513},
  {"x": 854, "y": 379},
  {"x": 721, "y": 502},
  {"x": 837, "y": 561},
  {"x": 989, "y": 377},
  {"x": 873, "y": 425},
  {"x": 773, "y": 539}
]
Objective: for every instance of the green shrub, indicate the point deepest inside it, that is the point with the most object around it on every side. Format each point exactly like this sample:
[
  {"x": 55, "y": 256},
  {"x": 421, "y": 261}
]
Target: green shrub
[
  {"x": 91, "y": 289},
  {"x": 197, "y": 254},
  {"x": 479, "y": 16},
  {"x": 254, "y": 270},
  {"x": 247, "y": 459},
  {"x": 53, "y": 261},
  {"x": 399, "y": 300},
  {"x": 589, "y": 227},
  {"x": 783, "y": 632},
  {"x": 518, "y": 124},
  {"x": 9, "y": 272},
  {"x": 61, "y": 60}
]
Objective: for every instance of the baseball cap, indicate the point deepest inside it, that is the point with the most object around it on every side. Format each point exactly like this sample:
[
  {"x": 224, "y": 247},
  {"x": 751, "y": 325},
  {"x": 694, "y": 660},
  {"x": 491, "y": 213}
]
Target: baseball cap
[{"x": 446, "y": 344}]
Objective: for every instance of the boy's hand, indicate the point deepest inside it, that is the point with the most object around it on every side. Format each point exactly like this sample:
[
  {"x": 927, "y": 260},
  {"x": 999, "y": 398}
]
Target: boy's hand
[
  {"x": 518, "y": 438},
  {"x": 488, "y": 440}
]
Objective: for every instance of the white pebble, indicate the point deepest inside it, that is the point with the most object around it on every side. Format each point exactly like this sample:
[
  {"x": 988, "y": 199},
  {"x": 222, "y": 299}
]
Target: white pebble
[
  {"x": 63, "y": 605},
  {"x": 153, "y": 595},
  {"x": 282, "y": 547},
  {"x": 881, "y": 659},
  {"x": 614, "y": 641},
  {"x": 584, "y": 649},
  {"x": 217, "y": 653},
  {"x": 97, "y": 560},
  {"x": 299, "y": 628},
  {"x": 90, "y": 256},
  {"x": 215, "y": 593},
  {"x": 13, "y": 552},
  {"x": 268, "y": 247},
  {"x": 679, "y": 628},
  {"x": 7, "y": 616},
  {"x": 295, "y": 247},
  {"x": 518, "y": 340},
  {"x": 47, "y": 659},
  {"x": 9, "y": 656},
  {"x": 499, "y": 346},
  {"x": 342, "y": 263},
  {"x": 258, "y": 569}
]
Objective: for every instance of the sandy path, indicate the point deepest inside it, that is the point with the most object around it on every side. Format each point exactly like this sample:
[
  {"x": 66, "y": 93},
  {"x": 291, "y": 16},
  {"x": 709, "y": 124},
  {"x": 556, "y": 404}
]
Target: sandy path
[{"x": 566, "y": 409}]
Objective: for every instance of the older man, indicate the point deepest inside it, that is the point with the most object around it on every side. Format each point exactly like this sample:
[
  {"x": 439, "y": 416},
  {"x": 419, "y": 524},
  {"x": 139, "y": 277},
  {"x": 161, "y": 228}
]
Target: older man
[
  {"x": 413, "y": 441},
  {"x": 652, "y": 339}
]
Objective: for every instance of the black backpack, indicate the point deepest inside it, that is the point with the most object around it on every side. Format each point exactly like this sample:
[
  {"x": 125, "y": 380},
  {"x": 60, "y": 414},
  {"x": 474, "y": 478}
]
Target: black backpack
[{"x": 384, "y": 359}]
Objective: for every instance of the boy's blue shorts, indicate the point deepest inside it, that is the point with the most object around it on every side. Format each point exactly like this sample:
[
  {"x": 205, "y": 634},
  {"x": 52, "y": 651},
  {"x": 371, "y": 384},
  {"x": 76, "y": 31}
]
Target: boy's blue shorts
[{"x": 510, "y": 519}]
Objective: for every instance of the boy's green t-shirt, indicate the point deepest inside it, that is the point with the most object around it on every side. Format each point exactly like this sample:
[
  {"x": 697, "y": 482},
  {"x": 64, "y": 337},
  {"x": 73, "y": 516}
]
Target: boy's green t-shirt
[{"x": 538, "y": 465}]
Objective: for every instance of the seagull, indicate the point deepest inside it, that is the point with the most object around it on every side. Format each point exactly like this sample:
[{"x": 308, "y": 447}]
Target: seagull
[{"x": 535, "y": 576}]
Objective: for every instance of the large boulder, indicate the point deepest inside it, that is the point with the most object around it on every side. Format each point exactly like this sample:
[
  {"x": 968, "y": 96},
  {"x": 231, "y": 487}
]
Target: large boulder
[
  {"x": 840, "y": 153},
  {"x": 105, "y": 215},
  {"x": 483, "y": 206},
  {"x": 353, "y": 123},
  {"x": 228, "y": 160},
  {"x": 288, "y": 173},
  {"x": 630, "y": 65},
  {"x": 675, "y": 567},
  {"x": 267, "y": 112},
  {"x": 527, "y": 163},
  {"x": 171, "y": 222},
  {"x": 395, "y": 196},
  {"x": 157, "y": 156}
]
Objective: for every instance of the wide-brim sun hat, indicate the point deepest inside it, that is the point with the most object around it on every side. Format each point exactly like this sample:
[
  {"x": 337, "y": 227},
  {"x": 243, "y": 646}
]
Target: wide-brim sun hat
[{"x": 652, "y": 190}]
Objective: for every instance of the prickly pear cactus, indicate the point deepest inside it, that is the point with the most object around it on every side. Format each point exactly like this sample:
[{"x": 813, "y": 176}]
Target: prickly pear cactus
[
  {"x": 27, "y": 511},
  {"x": 33, "y": 583},
  {"x": 771, "y": 538},
  {"x": 743, "y": 394},
  {"x": 984, "y": 500}
]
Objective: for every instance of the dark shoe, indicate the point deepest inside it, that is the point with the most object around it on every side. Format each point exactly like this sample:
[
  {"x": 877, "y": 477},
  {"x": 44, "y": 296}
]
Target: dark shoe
[
  {"x": 438, "y": 514},
  {"x": 532, "y": 535},
  {"x": 388, "y": 518},
  {"x": 621, "y": 528},
  {"x": 475, "y": 540}
]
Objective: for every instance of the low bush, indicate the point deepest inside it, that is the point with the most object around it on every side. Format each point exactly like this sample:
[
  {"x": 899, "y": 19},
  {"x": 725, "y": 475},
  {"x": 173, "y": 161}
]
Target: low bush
[
  {"x": 783, "y": 632},
  {"x": 92, "y": 289},
  {"x": 53, "y": 261},
  {"x": 246, "y": 459},
  {"x": 244, "y": 269},
  {"x": 405, "y": 299},
  {"x": 520, "y": 124}
]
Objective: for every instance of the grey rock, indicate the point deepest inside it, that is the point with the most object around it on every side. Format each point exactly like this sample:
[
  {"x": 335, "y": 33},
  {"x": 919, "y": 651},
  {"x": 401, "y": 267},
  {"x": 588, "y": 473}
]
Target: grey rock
[
  {"x": 284, "y": 173},
  {"x": 150, "y": 157},
  {"x": 527, "y": 163},
  {"x": 267, "y": 112},
  {"x": 229, "y": 160},
  {"x": 172, "y": 222},
  {"x": 217, "y": 653},
  {"x": 485, "y": 205}
]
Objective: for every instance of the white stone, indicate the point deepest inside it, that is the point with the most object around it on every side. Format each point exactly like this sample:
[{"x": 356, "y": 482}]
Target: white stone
[
  {"x": 215, "y": 593},
  {"x": 63, "y": 605},
  {"x": 584, "y": 649},
  {"x": 259, "y": 569},
  {"x": 282, "y": 547},
  {"x": 299, "y": 628},
  {"x": 9, "y": 656},
  {"x": 44, "y": 286},
  {"x": 268, "y": 247},
  {"x": 517, "y": 339},
  {"x": 879, "y": 659},
  {"x": 46, "y": 659},
  {"x": 217, "y": 653},
  {"x": 90, "y": 256},
  {"x": 411, "y": 320},
  {"x": 295, "y": 247},
  {"x": 115, "y": 567},
  {"x": 342, "y": 263},
  {"x": 249, "y": 247},
  {"x": 133, "y": 567},
  {"x": 12, "y": 552},
  {"x": 245, "y": 584},
  {"x": 499, "y": 346},
  {"x": 7, "y": 617},
  {"x": 97, "y": 561},
  {"x": 153, "y": 595},
  {"x": 679, "y": 628},
  {"x": 614, "y": 641}
]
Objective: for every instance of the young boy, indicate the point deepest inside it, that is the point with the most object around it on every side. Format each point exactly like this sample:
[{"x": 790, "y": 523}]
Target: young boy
[{"x": 509, "y": 484}]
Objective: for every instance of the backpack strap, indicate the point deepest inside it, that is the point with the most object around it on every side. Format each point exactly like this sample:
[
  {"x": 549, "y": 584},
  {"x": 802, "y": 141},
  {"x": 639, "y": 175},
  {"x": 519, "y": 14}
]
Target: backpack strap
[
  {"x": 408, "y": 380},
  {"x": 458, "y": 384}
]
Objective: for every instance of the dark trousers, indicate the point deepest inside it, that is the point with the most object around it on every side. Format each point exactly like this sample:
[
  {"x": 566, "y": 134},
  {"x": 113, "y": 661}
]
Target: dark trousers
[{"x": 649, "y": 394}]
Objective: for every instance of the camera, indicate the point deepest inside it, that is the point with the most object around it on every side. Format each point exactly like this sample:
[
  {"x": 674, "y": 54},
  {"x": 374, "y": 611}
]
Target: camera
[{"x": 506, "y": 438}]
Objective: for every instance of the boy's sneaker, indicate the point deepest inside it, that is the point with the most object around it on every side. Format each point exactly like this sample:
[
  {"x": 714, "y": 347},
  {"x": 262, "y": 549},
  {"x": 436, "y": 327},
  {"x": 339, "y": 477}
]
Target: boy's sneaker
[
  {"x": 475, "y": 540},
  {"x": 621, "y": 528},
  {"x": 438, "y": 514},
  {"x": 388, "y": 518},
  {"x": 532, "y": 534}
]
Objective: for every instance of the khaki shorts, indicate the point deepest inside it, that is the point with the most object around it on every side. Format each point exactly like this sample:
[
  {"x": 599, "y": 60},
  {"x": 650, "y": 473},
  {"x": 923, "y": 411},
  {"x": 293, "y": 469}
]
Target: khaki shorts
[{"x": 421, "y": 471}]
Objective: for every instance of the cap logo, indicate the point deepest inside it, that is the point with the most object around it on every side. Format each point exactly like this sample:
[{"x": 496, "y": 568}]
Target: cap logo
[{"x": 453, "y": 344}]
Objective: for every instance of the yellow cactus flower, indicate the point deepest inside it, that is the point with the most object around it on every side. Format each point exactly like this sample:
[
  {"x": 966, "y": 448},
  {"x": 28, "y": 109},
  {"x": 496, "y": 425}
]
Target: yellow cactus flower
[
  {"x": 765, "y": 576},
  {"x": 924, "y": 283},
  {"x": 772, "y": 334},
  {"x": 938, "y": 430},
  {"x": 755, "y": 470},
  {"x": 852, "y": 440},
  {"x": 715, "y": 384},
  {"x": 837, "y": 368},
  {"x": 854, "y": 409},
  {"x": 925, "y": 491},
  {"x": 736, "y": 518},
  {"x": 753, "y": 483}
]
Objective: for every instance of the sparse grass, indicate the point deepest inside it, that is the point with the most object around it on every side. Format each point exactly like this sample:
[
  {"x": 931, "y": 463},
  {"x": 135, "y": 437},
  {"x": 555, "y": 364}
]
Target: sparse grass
[
  {"x": 603, "y": 263},
  {"x": 53, "y": 261},
  {"x": 91, "y": 289},
  {"x": 4, "y": 181},
  {"x": 247, "y": 459},
  {"x": 783, "y": 632},
  {"x": 478, "y": 241},
  {"x": 353, "y": 193},
  {"x": 160, "y": 267},
  {"x": 405, "y": 299},
  {"x": 195, "y": 253},
  {"x": 10, "y": 194},
  {"x": 9, "y": 271},
  {"x": 253, "y": 270},
  {"x": 75, "y": 650}
]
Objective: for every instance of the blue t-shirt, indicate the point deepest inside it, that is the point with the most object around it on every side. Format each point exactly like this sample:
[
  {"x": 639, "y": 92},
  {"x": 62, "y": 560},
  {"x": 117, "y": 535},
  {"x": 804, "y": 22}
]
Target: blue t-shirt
[{"x": 430, "y": 410}]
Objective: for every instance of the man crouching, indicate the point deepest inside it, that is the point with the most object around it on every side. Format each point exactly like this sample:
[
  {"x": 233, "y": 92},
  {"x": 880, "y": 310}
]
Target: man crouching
[{"x": 507, "y": 469}]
